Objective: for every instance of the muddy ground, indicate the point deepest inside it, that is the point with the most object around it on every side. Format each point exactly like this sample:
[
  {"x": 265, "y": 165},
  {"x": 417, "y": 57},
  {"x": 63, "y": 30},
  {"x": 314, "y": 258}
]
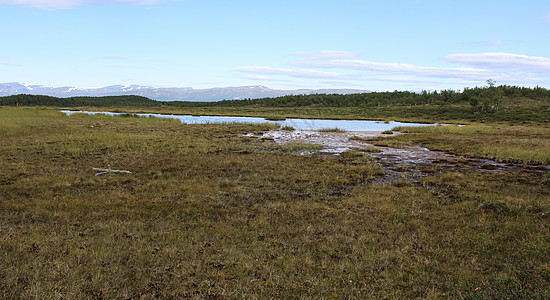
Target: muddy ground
[{"x": 410, "y": 162}]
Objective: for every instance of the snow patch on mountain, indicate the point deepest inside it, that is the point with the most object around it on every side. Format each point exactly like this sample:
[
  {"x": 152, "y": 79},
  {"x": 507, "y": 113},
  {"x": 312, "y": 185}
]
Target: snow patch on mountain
[{"x": 165, "y": 94}]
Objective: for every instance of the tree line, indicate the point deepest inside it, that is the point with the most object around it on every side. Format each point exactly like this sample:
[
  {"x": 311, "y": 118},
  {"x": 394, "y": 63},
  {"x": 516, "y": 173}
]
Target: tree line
[
  {"x": 42, "y": 100},
  {"x": 481, "y": 99},
  {"x": 487, "y": 97}
]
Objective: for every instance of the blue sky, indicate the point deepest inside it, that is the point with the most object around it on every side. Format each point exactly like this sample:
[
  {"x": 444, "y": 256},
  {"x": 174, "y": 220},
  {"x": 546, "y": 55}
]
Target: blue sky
[{"x": 373, "y": 45}]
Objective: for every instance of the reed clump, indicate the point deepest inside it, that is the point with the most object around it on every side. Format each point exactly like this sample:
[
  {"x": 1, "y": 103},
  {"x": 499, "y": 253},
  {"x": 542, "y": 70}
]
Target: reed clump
[{"x": 335, "y": 129}]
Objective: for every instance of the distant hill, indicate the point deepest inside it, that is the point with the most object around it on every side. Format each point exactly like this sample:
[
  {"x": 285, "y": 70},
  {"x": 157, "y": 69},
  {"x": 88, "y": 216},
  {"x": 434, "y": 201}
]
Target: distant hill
[{"x": 165, "y": 94}]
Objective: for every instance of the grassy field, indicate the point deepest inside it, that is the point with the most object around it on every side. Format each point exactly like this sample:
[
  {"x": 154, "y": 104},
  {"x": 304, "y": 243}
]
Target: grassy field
[
  {"x": 517, "y": 143},
  {"x": 209, "y": 213}
]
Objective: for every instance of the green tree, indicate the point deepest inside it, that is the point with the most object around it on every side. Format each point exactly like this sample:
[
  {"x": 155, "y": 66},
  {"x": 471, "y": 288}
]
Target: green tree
[{"x": 493, "y": 97}]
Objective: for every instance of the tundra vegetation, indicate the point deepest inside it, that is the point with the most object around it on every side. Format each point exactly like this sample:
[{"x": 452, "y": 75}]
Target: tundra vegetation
[{"x": 211, "y": 212}]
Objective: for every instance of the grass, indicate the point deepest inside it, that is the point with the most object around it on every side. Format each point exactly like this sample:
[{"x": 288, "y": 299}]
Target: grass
[
  {"x": 208, "y": 213},
  {"x": 297, "y": 146},
  {"x": 276, "y": 118},
  {"x": 517, "y": 143},
  {"x": 370, "y": 149},
  {"x": 383, "y": 142},
  {"x": 335, "y": 129},
  {"x": 288, "y": 128}
]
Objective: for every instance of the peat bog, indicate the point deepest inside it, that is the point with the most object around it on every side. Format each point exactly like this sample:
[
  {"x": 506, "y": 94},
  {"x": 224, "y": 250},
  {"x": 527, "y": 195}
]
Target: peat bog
[{"x": 218, "y": 211}]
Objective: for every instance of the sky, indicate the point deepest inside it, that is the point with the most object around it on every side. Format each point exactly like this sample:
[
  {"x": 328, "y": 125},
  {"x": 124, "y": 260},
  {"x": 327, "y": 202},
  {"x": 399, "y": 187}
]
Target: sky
[{"x": 284, "y": 44}]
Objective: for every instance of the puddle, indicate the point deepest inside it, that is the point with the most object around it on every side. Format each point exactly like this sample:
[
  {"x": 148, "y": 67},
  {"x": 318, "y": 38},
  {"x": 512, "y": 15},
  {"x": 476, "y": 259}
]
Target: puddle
[
  {"x": 332, "y": 142},
  {"x": 411, "y": 162}
]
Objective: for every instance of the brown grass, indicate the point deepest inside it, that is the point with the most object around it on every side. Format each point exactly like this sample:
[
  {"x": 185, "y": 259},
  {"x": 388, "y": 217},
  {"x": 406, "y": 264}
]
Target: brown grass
[
  {"x": 518, "y": 143},
  {"x": 210, "y": 214}
]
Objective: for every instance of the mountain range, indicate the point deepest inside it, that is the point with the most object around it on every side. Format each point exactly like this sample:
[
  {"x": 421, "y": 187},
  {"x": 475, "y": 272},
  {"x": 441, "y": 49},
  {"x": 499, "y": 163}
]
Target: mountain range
[{"x": 165, "y": 94}]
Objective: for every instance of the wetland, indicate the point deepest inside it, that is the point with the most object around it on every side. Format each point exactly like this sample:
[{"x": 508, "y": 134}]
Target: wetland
[
  {"x": 252, "y": 210},
  {"x": 296, "y": 123}
]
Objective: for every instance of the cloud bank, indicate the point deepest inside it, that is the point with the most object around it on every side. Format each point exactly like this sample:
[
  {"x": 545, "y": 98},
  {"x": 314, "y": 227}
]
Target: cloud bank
[
  {"x": 68, "y": 4},
  {"x": 347, "y": 68},
  {"x": 302, "y": 73},
  {"x": 11, "y": 64},
  {"x": 504, "y": 61},
  {"x": 388, "y": 68}
]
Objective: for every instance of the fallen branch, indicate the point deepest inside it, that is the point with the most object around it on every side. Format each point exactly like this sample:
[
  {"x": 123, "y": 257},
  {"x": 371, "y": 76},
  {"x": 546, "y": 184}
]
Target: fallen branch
[{"x": 109, "y": 170}]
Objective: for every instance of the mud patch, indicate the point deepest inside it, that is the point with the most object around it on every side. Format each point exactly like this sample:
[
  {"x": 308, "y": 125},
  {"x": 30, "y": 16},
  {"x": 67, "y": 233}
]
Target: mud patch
[{"x": 409, "y": 163}]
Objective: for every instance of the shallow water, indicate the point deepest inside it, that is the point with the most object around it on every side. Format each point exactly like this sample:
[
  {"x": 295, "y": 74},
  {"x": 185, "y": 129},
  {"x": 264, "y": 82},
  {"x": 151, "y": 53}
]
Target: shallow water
[
  {"x": 410, "y": 162},
  {"x": 300, "y": 124}
]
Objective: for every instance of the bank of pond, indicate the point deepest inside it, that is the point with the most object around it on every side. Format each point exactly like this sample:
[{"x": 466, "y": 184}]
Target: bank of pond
[{"x": 299, "y": 124}]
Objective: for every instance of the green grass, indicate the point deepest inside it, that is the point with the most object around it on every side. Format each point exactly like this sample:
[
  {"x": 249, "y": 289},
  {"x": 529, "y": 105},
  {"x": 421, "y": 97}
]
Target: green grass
[{"x": 208, "y": 213}]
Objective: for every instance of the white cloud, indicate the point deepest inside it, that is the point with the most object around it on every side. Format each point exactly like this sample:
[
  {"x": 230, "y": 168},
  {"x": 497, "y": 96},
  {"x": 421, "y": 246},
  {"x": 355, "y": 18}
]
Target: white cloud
[
  {"x": 503, "y": 61},
  {"x": 11, "y": 64},
  {"x": 387, "y": 68},
  {"x": 302, "y": 73},
  {"x": 263, "y": 78},
  {"x": 403, "y": 79},
  {"x": 348, "y": 69},
  {"x": 68, "y": 4},
  {"x": 263, "y": 73}
]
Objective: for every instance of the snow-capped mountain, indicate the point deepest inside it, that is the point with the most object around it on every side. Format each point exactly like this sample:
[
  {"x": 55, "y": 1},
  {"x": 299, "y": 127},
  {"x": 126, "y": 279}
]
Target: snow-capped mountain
[{"x": 165, "y": 94}]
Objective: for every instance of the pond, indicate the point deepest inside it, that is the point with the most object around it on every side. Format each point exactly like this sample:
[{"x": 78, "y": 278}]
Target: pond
[{"x": 300, "y": 124}]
